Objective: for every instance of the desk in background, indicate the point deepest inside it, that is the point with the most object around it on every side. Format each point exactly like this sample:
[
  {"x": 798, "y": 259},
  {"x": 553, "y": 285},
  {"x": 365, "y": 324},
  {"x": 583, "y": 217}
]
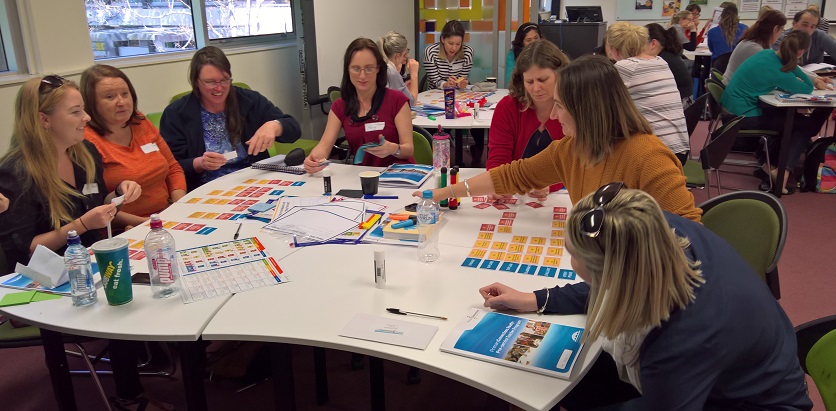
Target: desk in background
[{"x": 575, "y": 39}]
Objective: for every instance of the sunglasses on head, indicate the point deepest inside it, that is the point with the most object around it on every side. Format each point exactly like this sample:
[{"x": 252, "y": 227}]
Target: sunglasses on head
[
  {"x": 51, "y": 82},
  {"x": 593, "y": 220}
]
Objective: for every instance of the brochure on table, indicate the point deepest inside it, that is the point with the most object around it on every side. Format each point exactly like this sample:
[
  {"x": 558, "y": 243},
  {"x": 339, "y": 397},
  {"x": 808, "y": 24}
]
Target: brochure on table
[
  {"x": 389, "y": 331},
  {"x": 405, "y": 175}
]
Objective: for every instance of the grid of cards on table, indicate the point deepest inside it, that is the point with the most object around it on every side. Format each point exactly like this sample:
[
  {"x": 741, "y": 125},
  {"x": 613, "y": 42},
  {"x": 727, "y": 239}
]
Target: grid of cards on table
[
  {"x": 533, "y": 249},
  {"x": 219, "y": 269}
]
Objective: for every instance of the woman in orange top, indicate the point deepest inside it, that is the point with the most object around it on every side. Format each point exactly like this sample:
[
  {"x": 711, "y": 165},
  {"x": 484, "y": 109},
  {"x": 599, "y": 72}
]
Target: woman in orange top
[{"x": 131, "y": 147}]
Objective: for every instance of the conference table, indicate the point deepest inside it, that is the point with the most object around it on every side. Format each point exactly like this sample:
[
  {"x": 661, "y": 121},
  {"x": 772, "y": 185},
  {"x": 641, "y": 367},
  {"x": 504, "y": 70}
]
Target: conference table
[
  {"x": 433, "y": 97},
  {"x": 329, "y": 285}
]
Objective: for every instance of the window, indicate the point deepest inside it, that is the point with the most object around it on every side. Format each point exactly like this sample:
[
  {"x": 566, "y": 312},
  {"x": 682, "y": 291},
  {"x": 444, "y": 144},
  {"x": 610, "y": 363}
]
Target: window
[{"x": 121, "y": 28}]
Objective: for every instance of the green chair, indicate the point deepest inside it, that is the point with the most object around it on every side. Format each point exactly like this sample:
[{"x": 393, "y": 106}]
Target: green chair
[
  {"x": 423, "y": 151},
  {"x": 284, "y": 148},
  {"x": 817, "y": 355},
  {"x": 755, "y": 224},
  {"x": 154, "y": 118},
  {"x": 717, "y": 75},
  {"x": 333, "y": 94}
]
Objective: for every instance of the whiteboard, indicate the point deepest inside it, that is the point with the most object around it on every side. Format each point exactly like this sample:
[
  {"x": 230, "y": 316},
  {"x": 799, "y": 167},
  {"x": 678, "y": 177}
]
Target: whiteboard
[
  {"x": 330, "y": 25},
  {"x": 626, "y": 10},
  {"x": 829, "y": 11}
]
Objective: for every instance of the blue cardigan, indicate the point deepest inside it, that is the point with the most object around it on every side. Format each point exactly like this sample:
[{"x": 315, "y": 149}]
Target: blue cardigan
[
  {"x": 732, "y": 348},
  {"x": 182, "y": 128}
]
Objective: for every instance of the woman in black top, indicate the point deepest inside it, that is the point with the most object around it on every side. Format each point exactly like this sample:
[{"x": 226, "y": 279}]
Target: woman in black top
[{"x": 664, "y": 43}]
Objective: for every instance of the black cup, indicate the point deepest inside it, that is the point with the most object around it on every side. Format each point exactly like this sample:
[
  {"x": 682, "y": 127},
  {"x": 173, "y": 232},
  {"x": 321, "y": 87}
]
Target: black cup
[{"x": 369, "y": 181}]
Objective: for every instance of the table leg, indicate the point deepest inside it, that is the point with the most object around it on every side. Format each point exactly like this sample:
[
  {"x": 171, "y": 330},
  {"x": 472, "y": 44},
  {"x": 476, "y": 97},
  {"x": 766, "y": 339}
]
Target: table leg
[
  {"x": 459, "y": 145},
  {"x": 376, "y": 378},
  {"x": 59, "y": 370},
  {"x": 321, "y": 374},
  {"x": 192, "y": 363},
  {"x": 284, "y": 392},
  {"x": 782, "y": 154}
]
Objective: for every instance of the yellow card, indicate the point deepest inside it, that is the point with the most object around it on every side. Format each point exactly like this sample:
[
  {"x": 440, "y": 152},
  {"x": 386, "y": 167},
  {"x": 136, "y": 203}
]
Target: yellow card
[
  {"x": 516, "y": 248},
  {"x": 169, "y": 224},
  {"x": 210, "y": 201},
  {"x": 558, "y": 233},
  {"x": 476, "y": 253},
  {"x": 504, "y": 229},
  {"x": 196, "y": 214},
  {"x": 519, "y": 239},
  {"x": 215, "y": 192},
  {"x": 482, "y": 244},
  {"x": 496, "y": 255},
  {"x": 499, "y": 245},
  {"x": 551, "y": 261},
  {"x": 141, "y": 243},
  {"x": 194, "y": 200},
  {"x": 558, "y": 224},
  {"x": 512, "y": 258},
  {"x": 485, "y": 235},
  {"x": 222, "y": 201},
  {"x": 531, "y": 259},
  {"x": 210, "y": 215},
  {"x": 538, "y": 240},
  {"x": 230, "y": 193},
  {"x": 238, "y": 188},
  {"x": 554, "y": 251},
  {"x": 250, "y": 181},
  {"x": 535, "y": 249},
  {"x": 556, "y": 242},
  {"x": 261, "y": 182}
]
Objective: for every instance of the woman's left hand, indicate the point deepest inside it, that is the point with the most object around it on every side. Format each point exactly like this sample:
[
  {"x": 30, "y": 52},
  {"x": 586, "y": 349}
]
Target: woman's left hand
[
  {"x": 386, "y": 149},
  {"x": 822, "y": 83},
  {"x": 131, "y": 190},
  {"x": 264, "y": 137},
  {"x": 539, "y": 194}
]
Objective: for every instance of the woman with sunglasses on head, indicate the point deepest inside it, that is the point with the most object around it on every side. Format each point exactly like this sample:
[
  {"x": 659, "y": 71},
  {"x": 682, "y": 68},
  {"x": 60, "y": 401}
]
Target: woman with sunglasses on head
[
  {"x": 368, "y": 112},
  {"x": 527, "y": 33},
  {"x": 521, "y": 126},
  {"x": 131, "y": 147},
  {"x": 396, "y": 53},
  {"x": 217, "y": 118},
  {"x": 684, "y": 317},
  {"x": 606, "y": 139}
]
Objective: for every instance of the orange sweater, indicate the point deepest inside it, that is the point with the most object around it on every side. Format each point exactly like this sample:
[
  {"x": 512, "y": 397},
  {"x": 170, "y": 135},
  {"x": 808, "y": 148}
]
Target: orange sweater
[
  {"x": 642, "y": 162},
  {"x": 157, "y": 172}
]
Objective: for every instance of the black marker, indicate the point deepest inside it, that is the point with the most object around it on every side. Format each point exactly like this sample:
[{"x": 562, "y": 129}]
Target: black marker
[{"x": 326, "y": 179}]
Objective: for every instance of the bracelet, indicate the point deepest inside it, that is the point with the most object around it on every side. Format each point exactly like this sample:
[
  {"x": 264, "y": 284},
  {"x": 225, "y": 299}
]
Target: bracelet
[
  {"x": 452, "y": 193},
  {"x": 466, "y": 188},
  {"x": 83, "y": 225},
  {"x": 546, "y": 302}
]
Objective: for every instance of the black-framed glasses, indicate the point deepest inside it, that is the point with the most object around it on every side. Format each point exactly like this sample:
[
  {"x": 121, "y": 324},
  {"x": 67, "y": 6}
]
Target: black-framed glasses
[
  {"x": 51, "y": 82},
  {"x": 593, "y": 220}
]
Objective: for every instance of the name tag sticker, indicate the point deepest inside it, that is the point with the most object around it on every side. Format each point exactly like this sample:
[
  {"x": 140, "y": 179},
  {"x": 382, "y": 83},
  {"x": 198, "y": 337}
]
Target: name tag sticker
[
  {"x": 375, "y": 126},
  {"x": 230, "y": 155},
  {"x": 91, "y": 188},
  {"x": 149, "y": 148}
]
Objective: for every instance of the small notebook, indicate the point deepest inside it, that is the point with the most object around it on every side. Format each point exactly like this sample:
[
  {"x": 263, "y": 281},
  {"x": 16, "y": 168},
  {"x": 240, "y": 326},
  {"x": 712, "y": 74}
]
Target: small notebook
[{"x": 276, "y": 163}]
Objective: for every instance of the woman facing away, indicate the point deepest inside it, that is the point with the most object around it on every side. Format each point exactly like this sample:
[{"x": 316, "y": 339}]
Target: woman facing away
[
  {"x": 724, "y": 37},
  {"x": 663, "y": 43},
  {"x": 607, "y": 139},
  {"x": 687, "y": 322},
  {"x": 759, "y": 37},
  {"x": 396, "y": 53}
]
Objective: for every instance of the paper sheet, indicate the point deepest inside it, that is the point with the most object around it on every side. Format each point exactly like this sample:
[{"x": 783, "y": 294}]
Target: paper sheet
[
  {"x": 389, "y": 331},
  {"x": 45, "y": 267}
]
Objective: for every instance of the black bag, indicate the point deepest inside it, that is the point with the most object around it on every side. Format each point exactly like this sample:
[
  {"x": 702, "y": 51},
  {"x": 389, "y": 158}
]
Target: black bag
[{"x": 812, "y": 162}]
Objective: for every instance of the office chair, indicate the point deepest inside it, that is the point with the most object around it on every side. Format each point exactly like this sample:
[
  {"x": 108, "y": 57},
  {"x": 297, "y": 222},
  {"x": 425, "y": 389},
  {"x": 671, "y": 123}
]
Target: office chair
[{"x": 817, "y": 355}]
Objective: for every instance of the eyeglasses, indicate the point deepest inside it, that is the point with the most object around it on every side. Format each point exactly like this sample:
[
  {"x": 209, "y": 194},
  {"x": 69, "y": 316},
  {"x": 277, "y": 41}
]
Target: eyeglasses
[
  {"x": 51, "y": 82},
  {"x": 212, "y": 84},
  {"x": 367, "y": 69},
  {"x": 593, "y": 220}
]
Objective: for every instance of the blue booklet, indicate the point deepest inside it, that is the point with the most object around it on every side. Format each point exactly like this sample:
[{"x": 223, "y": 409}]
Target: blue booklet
[
  {"x": 537, "y": 346},
  {"x": 405, "y": 175},
  {"x": 21, "y": 282}
]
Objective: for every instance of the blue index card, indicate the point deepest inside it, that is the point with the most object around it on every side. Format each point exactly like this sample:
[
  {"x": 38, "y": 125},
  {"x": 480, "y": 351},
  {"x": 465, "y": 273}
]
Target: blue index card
[
  {"x": 206, "y": 230},
  {"x": 471, "y": 262},
  {"x": 298, "y": 183},
  {"x": 527, "y": 269},
  {"x": 276, "y": 192},
  {"x": 509, "y": 267},
  {"x": 547, "y": 271},
  {"x": 565, "y": 274},
  {"x": 489, "y": 264}
]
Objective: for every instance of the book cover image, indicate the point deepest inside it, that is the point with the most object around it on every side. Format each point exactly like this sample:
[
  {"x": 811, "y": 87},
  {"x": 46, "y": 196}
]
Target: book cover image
[
  {"x": 411, "y": 175},
  {"x": 537, "y": 346}
]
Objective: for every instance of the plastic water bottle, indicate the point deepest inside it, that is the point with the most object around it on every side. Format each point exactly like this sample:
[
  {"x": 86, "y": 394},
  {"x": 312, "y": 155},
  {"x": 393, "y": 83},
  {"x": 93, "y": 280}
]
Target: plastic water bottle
[
  {"x": 162, "y": 260},
  {"x": 428, "y": 212},
  {"x": 77, "y": 262},
  {"x": 441, "y": 150}
]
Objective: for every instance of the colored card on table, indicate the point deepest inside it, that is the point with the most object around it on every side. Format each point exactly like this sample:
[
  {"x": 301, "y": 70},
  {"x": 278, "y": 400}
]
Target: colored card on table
[
  {"x": 506, "y": 221},
  {"x": 534, "y": 204},
  {"x": 195, "y": 227},
  {"x": 206, "y": 230},
  {"x": 560, "y": 210},
  {"x": 566, "y": 274},
  {"x": 487, "y": 227},
  {"x": 482, "y": 206},
  {"x": 23, "y": 297},
  {"x": 224, "y": 216},
  {"x": 197, "y": 214},
  {"x": 181, "y": 226},
  {"x": 297, "y": 183},
  {"x": 509, "y": 214},
  {"x": 500, "y": 206},
  {"x": 194, "y": 200},
  {"x": 39, "y": 296},
  {"x": 170, "y": 224}
]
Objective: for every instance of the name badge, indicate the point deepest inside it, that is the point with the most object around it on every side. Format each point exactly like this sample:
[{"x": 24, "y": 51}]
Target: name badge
[
  {"x": 92, "y": 188},
  {"x": 375, "y": 126},
  {"x": 149, "y": 148}
]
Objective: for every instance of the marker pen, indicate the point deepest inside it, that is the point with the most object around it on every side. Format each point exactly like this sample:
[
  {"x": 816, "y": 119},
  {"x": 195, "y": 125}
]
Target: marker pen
[
  {"x": 443, "y": 184},
  {"x": 326, "y": 179},
  {"x": 379, "y": 269},
  {"x": 454, "y": 178}
]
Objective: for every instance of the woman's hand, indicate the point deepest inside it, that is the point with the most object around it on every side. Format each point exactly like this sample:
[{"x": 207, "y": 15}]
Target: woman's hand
[
  {"x": 539, "y": 194},
  {"x": 99, "y": 217},
  {"x": 264, "y": 137},
  {"x": 314, "y": 163},
  {"x": 501, "y": 297},
  {"x": 499, "y": 198},
  {"x": 211, "y": 161},
  {"x": 822, "y": 83},
  {"x": 131, "y": 190},
  {"x": 462, "y": 83},
  {"x": 4, "y": 203},
  {"x": 386, "y": 149},
  {"x": 412, "y": 66},
  {"x": 451, "y": 82}
]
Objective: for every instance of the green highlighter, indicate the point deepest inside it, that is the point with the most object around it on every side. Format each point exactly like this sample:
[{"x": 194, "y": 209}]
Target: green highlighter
[{"x": 443, "y": 184}]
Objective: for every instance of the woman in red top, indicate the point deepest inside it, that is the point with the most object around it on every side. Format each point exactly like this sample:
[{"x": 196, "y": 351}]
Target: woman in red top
[
  {"x": 131, "y": 147},
  {"x": 521, "y": 126},
  {"x": 367, "y": 110}
]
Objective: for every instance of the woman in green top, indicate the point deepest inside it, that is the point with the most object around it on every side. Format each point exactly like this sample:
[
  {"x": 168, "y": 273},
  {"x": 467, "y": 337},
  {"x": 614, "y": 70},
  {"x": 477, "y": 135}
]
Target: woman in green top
[
  {"x": 761, "y": 74},
  {"x": 526, "y": 33}
]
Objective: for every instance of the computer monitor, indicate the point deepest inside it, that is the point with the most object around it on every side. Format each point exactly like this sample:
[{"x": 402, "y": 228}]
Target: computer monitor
[{"x": 582, "y": 14}]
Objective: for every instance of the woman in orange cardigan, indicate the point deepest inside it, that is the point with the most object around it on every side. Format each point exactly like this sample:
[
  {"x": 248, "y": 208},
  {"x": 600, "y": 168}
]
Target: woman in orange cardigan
[{"x": 131, "y": 147}]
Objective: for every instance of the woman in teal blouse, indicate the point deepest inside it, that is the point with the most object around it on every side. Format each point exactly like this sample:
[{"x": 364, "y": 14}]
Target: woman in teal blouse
[{"x": 526, "y": 33}]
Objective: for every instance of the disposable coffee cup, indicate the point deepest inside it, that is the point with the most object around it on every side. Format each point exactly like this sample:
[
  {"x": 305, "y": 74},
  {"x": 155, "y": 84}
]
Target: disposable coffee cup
[
  {"x": 491, "y": 80},
  {"x": 115, "y": 268},
  {"x": 369, "y": 180}
]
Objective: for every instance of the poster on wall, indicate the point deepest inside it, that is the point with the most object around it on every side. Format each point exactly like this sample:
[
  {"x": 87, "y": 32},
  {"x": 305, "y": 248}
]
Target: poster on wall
[
  {"x": 775, "y": 4},
  {"x": 644, "y": 4},
  {"x": 670, "y": 7},
  {"x": 749, "y": 5},
  {"x": 794, "y": 6},
  {"x": 698, "y": 2}
]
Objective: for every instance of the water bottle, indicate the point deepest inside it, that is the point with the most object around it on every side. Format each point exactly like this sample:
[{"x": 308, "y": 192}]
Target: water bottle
[
  {"x": 441, "y": 150},
  {"x": 427, "y": 228},
  {"x": 77, "y": 262},
  {"x": 162, "y": 260}
]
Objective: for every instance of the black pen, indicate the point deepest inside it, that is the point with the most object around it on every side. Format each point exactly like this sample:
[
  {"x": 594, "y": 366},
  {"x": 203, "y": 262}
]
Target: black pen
[
  {"x": 402, "y": 312},
  {"x": 235, "y": 237}
]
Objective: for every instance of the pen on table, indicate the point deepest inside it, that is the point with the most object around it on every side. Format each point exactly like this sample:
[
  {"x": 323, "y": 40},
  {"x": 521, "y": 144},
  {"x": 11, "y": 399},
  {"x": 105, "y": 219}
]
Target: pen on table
[
  {"x": 431, "y": 118},
  {"x": 402, "y": 312},
  {"x": 375, "y": 197},
  {"x": 238, "y": 231}
]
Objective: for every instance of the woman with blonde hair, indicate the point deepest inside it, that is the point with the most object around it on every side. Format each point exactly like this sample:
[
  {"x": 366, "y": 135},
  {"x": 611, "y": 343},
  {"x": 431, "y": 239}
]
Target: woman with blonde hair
[
  {"x": 521, "y": 126},
  {"x": 606, "y": 139},
  {"x": 651, "y": 85},
  {"x": 396, "y": 53},
  {"x": 686, "y": 29},
  {"x": 684, "y": 317},
  {"x": 724, "y": 37}
]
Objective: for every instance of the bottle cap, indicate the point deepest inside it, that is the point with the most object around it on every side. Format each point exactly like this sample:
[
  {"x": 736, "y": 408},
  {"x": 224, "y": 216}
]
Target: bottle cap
[
  {"x": 72, "y": 238},
  {"x": 427, "y": 194},
  {"x": 443, "y": 169},
  {"x": 156, "y": 222}
]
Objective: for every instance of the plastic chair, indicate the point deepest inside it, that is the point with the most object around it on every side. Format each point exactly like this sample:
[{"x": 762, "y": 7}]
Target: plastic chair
[
  {"x": 817, "y": 355},
  {"x": 334, "y": 93},
  {"x": 423, "y": 150},
  {"x": 755, "y": 224},
  {"x": 717, "y": 75},
  {"x": 721, "y": 62},
  {"x": 154, "y": 118},
  {"x": 716, "y": 150},
  {"x": 694, "y": 175},
  {"x": 284, "y": 148},
  {"x": 422, "y": 84}
]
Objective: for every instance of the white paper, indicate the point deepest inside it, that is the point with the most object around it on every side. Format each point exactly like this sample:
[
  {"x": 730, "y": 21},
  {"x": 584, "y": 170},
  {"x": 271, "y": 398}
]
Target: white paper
[
  {"x": 389, "y": 331},
  {"x": 794, "y": 6},
  {"x": 149, "y": 148},
  {"x": 286, "y": 203},
  {"x": 319, "y": 223},
  {"x": 117, "y": 201},
  {"x": 45, "y": 267},
  {"x": 749, "y": 5},
  {"x": 230, "y": 155},
  {"x": 818, "y": 66},
  {"x": 375, "y": 126}
]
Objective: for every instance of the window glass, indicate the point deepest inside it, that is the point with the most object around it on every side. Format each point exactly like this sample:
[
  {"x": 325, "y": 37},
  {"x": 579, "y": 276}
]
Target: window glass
[{"x": 232, "y": 19}]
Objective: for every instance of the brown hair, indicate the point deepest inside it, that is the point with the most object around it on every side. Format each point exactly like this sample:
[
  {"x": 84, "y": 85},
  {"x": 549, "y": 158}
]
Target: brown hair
[
  {"x": 794, "y": 42},
  {"x": 543, "y": 54},
  {"x": 451, "y": 29},
  {"x": 213, "y": 56},
  {"x": 90, "y": 78},
  {"x": 347, "y": 90},
  {"x": 761, "y": 31},
  {"x": 728, "y": 23}
]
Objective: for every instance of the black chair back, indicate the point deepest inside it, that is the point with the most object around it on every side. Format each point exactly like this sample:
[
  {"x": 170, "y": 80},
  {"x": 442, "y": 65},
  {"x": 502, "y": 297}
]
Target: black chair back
[
  {"x": 721, "y": 62},
  {"x": 715, "y": 152},
  {"x": 693, "y": 113}
]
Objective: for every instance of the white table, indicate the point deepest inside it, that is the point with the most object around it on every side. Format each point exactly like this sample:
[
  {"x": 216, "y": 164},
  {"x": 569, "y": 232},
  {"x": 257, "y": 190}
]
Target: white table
[
  {"x": 790, "y": 108},
  {"x": 460, "y": 123}
]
